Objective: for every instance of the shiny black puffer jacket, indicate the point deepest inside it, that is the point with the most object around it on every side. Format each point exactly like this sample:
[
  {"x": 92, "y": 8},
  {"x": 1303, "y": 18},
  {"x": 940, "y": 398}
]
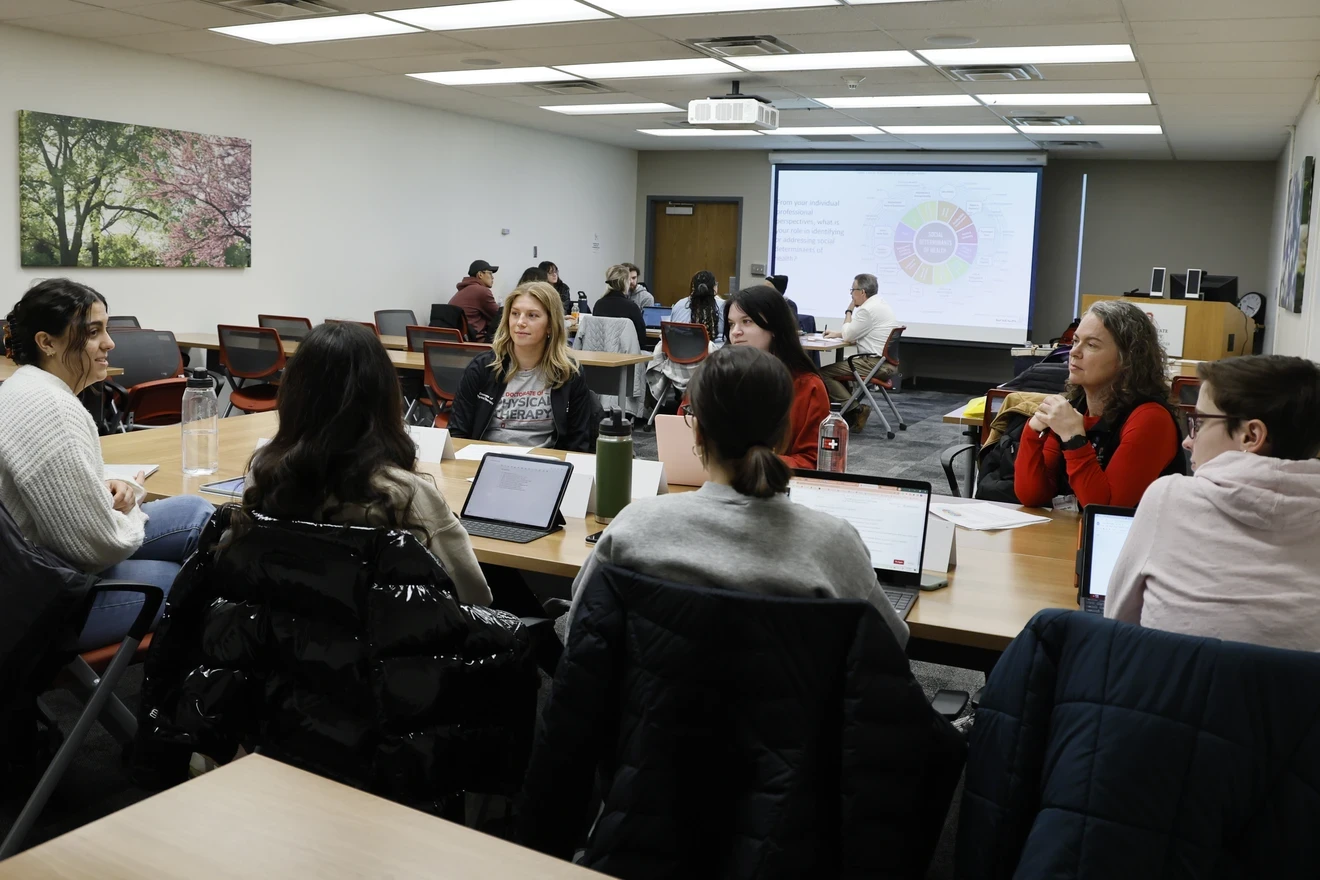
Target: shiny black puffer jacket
[{"x": 342, "y": 650}]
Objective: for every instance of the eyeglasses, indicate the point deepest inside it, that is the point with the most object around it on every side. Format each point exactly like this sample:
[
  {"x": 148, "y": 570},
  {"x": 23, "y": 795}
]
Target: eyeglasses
[
  {"x": 1195, "y": 419},
  {"x": 857, "y": 290}
]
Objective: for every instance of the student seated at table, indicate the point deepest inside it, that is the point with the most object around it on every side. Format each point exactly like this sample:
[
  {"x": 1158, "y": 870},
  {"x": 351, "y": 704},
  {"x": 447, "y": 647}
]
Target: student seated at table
[
  {"x": 616, "y": 304},
  {"x": 1231, "y": 552},
  {"x": 52, "y": 478},
  {"x": 527, "y": 390},
  {"x": 760, "y": 317},
  {"x": 1112, "y": 432},
  {"x": 740, "y": 531},
  {"x": 342, "y": 454},
  {"x": 701, "y": 306}
]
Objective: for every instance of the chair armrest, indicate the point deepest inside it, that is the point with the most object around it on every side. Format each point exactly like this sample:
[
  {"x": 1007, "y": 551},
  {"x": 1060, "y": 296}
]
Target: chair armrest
[
  {"x": 153, "y": 597},
  {"x": 947, "y": 458}
]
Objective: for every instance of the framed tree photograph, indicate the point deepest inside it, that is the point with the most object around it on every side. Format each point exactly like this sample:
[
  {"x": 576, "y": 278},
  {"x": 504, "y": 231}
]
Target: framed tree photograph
[{"x": 110, "y": 194}]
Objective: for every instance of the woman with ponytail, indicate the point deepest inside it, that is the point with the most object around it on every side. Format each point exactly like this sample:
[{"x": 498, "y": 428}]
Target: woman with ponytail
[
  {"x": 740, "y": 531},
  {"x": 701, "y": 306}
]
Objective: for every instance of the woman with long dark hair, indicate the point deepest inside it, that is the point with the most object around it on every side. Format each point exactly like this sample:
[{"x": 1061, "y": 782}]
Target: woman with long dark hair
[
  {"x": 342, "y": 454},
  {"x": 52, "y": 478},
  {"x": 701, "y": 305},
  {"x": 1112, "y": 432},
  {"x": 552, "y": 277},
  {"x": 760, "y": 317}
]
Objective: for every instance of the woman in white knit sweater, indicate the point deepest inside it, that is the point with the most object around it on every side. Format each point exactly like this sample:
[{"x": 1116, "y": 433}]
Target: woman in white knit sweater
[{"x": 51, "y": 472}]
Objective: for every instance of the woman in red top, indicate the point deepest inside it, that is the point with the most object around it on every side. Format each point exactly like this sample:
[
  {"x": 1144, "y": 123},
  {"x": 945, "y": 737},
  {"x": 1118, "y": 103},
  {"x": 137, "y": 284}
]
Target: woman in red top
[
  {"x": 760, "y": 317},
  {"x": 1111, "y": 433}
]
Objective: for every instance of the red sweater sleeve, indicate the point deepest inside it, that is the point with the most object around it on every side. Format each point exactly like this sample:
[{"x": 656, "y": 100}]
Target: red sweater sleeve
[
  {"x": 811, "y": 404},
  {"x": 1037, "y": 466},
  {"x": 1144, "y": 449}
]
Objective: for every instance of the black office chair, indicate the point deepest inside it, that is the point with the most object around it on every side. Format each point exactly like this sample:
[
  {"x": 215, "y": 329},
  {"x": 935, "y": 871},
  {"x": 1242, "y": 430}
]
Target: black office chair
[
  {"x": 291, "y": 329},
  {"x": 251, "y": 354},
  {"x": 445, "y": 315},
  {"x": 122, "y": 322},
  {"x": 445, "y": 364},
  {"x": 395, "y": 322}
]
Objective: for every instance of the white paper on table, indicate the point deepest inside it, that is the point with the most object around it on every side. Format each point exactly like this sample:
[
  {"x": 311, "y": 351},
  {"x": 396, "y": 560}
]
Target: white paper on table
[
  {"x": 982, "y": 516},
  {"x": 581, "y": 491},
  {"x": 434, "y": 445},
  {"x": 478, "y": 451},
  {"x": 941, "y": 553},
  {"x": 648, "y": 479},
  {"x": 128, "y": 472}
]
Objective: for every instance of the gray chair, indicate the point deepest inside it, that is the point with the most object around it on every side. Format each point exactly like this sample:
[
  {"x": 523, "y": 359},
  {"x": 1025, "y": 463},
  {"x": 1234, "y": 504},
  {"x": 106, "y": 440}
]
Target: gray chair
[
  {"x": 864, "y": 384},
  {"x": 395, "y": 322},
  {"x": 290, "y": 329},
  {"x": 150, "y": 393},
  {"x": 122, "y": 322}
]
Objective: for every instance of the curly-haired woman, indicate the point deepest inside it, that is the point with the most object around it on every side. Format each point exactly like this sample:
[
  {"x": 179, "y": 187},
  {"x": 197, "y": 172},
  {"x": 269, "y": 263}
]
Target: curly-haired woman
[{"x": 1112, "y": 432}]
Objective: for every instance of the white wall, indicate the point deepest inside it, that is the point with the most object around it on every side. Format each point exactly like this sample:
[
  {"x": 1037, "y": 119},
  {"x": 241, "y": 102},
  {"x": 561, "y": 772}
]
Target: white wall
[
  {"x": 359, "y": 203},
  {"x": 1296, "y": 334}
]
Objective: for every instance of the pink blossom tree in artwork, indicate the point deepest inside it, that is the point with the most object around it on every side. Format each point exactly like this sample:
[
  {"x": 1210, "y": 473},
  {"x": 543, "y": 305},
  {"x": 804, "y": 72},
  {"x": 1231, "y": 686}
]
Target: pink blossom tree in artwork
[{"x": 207, "y": 180}]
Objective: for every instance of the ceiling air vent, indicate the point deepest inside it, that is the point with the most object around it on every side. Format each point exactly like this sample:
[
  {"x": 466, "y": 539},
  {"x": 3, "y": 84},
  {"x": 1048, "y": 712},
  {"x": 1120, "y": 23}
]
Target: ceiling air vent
[
  {"x": 1044, "y": 120},
  {"x": 574, "y": 87},
  {"x": 278, "y": 9},
  {"x": 741, "y": 47},
  {"x": 1075, "y": 145},
  {"x": 993, "y": 73},
  {"x": 828, "y": 138}
]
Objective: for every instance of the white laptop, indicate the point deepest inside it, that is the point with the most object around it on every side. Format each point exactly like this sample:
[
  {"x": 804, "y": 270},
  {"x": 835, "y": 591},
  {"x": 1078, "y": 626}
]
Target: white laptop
[{"x": 675, "y": 446}]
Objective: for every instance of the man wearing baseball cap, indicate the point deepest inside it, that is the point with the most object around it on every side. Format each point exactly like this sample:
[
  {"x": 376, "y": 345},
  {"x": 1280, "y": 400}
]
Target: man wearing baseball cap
[{"x": 476, "y": 300}]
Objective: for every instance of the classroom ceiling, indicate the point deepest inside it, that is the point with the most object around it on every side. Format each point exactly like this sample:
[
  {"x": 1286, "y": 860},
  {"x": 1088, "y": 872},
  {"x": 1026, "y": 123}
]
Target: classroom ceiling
[{"x": 1225, "y": 77}]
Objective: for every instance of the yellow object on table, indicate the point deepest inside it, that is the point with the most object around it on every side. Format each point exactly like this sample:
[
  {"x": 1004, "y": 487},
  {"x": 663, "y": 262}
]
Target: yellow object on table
[{"x": 975, "y": 408}]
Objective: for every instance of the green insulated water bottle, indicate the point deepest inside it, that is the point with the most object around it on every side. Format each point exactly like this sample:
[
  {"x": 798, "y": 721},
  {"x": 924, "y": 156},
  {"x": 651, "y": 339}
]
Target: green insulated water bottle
[{"x": 614, "y": 458}]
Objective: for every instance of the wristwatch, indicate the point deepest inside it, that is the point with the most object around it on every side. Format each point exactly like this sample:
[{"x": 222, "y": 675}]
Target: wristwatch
[{"x": 1076, "y": 442}]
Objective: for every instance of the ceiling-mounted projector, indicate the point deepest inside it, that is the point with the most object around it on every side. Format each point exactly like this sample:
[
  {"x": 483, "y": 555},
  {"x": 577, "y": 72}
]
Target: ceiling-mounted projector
[{"x": 734, "y": 111}]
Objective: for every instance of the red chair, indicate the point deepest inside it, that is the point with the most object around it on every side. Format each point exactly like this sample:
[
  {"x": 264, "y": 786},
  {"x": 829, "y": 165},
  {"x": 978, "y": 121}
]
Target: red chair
[
  {"x": 150, "y": 393},
  {"x": 868, "y": 382},
  {"x": 1184, "y": 391},
  {"x": 251, "y": 354},
  {"x": 684, "y": 344},
  {"x": 291, "y": 329},
  {"x": 445, "y": 364}
]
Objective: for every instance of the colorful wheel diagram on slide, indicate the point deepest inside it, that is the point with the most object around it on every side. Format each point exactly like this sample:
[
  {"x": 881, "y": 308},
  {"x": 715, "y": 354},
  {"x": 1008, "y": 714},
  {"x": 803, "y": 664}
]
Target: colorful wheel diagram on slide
[{"x": 935, "y": 242}]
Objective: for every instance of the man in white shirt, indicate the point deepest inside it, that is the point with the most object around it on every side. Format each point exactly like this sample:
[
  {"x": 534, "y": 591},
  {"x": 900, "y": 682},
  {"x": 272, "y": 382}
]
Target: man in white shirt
[{"x": 867, "y": 325}]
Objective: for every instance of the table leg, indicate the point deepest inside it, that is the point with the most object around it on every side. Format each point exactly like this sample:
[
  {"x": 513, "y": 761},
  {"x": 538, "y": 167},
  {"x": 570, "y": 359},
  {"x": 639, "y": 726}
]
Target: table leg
[{"x": 626, "y": 388}]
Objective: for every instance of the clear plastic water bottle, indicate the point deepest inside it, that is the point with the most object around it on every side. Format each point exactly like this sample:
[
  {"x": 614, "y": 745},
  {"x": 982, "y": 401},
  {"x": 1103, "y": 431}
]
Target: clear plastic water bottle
[
  {"x": 201, "y": 425},
  {"x": 832, "y": 445}
]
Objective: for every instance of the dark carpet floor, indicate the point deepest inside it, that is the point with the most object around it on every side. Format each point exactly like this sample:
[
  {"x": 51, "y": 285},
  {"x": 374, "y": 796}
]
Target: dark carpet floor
[{"x": 98, "y": 783}]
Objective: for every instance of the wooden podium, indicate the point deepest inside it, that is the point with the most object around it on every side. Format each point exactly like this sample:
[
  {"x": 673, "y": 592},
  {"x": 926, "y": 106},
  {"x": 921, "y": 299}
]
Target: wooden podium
[{"x": 1210, "y": 330}]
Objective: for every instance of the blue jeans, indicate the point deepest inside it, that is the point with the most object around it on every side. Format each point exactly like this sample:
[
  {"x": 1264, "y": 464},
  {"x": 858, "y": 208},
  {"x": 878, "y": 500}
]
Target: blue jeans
[{"x": 173, "y": 527}]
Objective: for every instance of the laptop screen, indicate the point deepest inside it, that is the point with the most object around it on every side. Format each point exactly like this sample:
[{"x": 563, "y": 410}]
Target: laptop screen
[
  {"x": 1107, "y": 534},
  {"x": 521, "y": 489},
  {"x": 890, "y": 519},
  {"x": 653, "y": 315}
]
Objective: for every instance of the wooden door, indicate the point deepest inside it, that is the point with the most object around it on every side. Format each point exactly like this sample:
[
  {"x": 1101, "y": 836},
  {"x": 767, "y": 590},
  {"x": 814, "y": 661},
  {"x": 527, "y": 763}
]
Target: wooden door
[{"x": 685, "y": 243}]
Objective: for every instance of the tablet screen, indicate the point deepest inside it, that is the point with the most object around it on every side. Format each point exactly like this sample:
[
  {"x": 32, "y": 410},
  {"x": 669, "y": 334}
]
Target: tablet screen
[{"x": 521, "y": 489}]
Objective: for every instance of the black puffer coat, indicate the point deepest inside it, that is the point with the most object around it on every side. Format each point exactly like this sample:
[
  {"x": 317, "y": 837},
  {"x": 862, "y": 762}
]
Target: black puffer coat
[
  {"x": 342, "y": 650},
  {"x": 737, "y": 735}
]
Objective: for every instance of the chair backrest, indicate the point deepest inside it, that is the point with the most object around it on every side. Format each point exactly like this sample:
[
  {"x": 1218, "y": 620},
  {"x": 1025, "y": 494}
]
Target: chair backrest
[
  {"x": 1185, "y": 390},
  {"x": 445, "y": 315},
  {"x": 684, "y": 343},
  {"x": 395, "y": 322},
  {"x": 145, "y": 356},
  {"x": 291, "y": 329},
  {"x": 369, "y": 325},
  {"x": 250, "y": 352},
  {"x": 806, "y": 323},
  {"x": 617, "y": 335},
  {"x": 891, "y": 345},
  {"x": 994, "y": 402},
  {"x": 445, "y": 364},
  {"x": 122, "y": 322},
  {"x": 420, "y": 334}
]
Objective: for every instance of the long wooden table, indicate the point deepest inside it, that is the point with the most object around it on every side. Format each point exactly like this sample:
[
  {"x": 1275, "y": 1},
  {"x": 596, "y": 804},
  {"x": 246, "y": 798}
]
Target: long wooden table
[
  {"x": 259, "y": 818},
  {"x": 1001, "y": 580},
  {"x": 8, "y": 368}
]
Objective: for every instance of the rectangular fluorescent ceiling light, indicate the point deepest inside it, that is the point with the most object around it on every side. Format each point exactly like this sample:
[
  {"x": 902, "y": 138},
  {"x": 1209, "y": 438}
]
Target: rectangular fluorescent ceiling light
[
  {"x": 829, "y": 61},
  {"x": 640, "y": 8},
  {"x": 493, "y": 76},
  {"x": 647, "y": 69},
  {"x": 950, "y": 129},
  {"x": 827, "y": 130},
  {"x": 502, "y": 13},
  {"x": 696, "y": 132},
  {"x": 610, "y": 109},
  {"x": 888, "y": 101},
  {"x": 1030, "y": 55},
  {"x": 1069, "y": 131},
  {"x": 315, "y": 30},
  {"x": 1064, "y": 99}
]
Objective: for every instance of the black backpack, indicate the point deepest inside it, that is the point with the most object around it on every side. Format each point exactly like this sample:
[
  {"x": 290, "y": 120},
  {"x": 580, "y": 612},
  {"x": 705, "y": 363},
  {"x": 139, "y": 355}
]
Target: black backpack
[{"x": 995, "y": 462}]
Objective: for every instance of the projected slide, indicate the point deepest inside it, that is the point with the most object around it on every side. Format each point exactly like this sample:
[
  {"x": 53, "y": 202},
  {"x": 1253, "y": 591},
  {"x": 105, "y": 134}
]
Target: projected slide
[{"x": 952, "y": 248}]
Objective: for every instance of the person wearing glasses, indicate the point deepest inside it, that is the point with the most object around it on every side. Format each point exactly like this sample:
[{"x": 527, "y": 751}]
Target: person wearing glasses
[
  {"x": 1230, "y": 552},
  {"x": 1112, "y": 432},
  {"x": 867, "y": 324}
]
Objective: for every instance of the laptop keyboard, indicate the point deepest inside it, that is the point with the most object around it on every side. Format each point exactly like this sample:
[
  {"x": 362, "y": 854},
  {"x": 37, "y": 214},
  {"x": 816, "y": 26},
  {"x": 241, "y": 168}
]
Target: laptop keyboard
[
  {"x": 901, "y": 600},
  {"x": 502, "y": 532},
  {"x": 1093, "y": 604}
]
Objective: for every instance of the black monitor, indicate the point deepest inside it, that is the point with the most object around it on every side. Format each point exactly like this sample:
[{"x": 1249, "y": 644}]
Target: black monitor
[{"x": 1214, "y": 288}]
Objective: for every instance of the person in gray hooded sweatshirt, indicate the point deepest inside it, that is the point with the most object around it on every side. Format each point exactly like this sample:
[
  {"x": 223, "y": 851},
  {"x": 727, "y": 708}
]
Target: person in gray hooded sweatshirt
[{"x": 1232, "y": 552}]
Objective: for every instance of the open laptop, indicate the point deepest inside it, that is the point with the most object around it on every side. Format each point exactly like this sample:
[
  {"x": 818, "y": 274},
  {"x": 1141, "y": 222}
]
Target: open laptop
[
  {"x": 516, "y": 497},
  {"x": 675, "y": 445},
  {"x": 653, "y": 315},
  {"x": 890, "y": 515},
  {"x": 1104, "y": 531}
]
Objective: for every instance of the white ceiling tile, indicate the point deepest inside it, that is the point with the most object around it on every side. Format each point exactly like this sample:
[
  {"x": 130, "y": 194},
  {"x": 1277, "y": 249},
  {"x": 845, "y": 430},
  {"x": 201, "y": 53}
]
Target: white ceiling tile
[
  {"x": 1172, "y": 10},
  {"x": 391, "y": 47},
  {"x": 1227, "y": 30},
  {"x": 585, "y": 33},
  {"x": 805, "y": 21},
  {"x": 1090, "y": 72},
  {"x": 251, "y": 56},
  {"x": 1295, "y": 86},
  {"x": 1234, "y": 70},
  {"x": 652, "y": 50},
  {"x": 1299, "y": 50},
  {"x": 955, "y": 16},
  {"x": 927, "y": 116},
  {"x": 175, "y": 42},
  {"x": 98, "y": 24},
  {"x": 317, "y": 71},
  {"x": 442, "y": 61},
  {"x": 1090, "y": 34},
  {"x": 849, "y": 41},
  {"x": 15, "y": 9},
  {"x": 902, "y": 80},
  {"x": 192, "y": 14}
]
